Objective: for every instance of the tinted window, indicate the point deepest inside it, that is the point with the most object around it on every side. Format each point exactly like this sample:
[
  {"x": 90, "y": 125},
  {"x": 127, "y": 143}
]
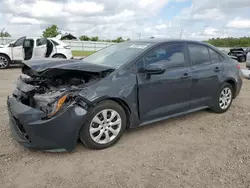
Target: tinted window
[
  {"x": 40, "y": 42},
  {"x": 199, "y": 54},
  {"x": 28, "y": 43},
  {"x": 19, "y": 42},
  {"x": 173, "y": 56},
  {"x": 215, "y": 57}
]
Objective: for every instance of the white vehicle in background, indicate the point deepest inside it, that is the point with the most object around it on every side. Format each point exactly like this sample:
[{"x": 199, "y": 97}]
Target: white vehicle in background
[{"x": 26, "y": 48}]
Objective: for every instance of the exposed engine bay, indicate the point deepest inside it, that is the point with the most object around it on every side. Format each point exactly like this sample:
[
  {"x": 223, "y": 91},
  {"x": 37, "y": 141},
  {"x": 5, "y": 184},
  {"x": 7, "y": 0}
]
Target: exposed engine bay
[{"x": 51, "y": 91}]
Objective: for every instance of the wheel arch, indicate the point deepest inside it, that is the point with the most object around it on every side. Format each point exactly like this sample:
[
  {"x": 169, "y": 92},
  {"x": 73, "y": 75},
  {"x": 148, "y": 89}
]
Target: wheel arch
[
  {"x": 232, "y": 82},
  {"x": 59, "y": 54},
  {"x": 5, "y": 55},
  {"x": 125, "y": 107}
]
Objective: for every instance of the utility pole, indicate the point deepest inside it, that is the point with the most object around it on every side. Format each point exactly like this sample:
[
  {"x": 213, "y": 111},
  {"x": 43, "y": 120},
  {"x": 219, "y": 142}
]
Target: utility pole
[
  {"x": 139, "y": 35},
  {"x": 2, "y": 34},
  {"x": 181, "y": 33}
]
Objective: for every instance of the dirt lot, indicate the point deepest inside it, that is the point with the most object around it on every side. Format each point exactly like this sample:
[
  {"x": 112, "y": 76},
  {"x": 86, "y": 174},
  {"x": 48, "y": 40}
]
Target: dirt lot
[{"x": 198, "y": 150}]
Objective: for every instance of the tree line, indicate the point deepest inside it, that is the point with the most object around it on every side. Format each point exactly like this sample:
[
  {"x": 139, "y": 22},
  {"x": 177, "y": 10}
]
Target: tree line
[
  {"x": 53, "y": 31},
  {"x": 230, "y": 42}
]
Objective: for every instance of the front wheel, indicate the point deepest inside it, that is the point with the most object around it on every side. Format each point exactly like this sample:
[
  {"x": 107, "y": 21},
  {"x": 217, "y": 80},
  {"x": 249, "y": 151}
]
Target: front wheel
[
  {"x": 224, "y": 99},
  {"x": 4, "y": 62},
  {"x": 105, "y": 125}
]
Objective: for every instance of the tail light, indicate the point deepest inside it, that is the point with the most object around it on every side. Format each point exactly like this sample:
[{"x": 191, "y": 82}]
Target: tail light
[{"x": 238, "y": 66}]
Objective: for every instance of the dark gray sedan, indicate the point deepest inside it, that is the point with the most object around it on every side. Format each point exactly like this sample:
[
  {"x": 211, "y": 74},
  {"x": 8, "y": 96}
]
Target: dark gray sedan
[{"x": 130, "y": 84}]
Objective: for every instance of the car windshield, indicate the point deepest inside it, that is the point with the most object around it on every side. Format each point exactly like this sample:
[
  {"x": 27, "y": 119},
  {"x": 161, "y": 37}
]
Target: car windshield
[{"x": 118, "y": 54}]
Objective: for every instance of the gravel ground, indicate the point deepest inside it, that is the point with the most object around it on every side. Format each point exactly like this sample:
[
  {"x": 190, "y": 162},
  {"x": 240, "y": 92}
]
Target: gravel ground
[{"x": 197, "y": 150}]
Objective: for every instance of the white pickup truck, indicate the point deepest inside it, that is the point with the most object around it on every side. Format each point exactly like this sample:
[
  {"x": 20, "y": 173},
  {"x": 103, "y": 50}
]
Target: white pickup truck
[{"x": 26, "y": 48}]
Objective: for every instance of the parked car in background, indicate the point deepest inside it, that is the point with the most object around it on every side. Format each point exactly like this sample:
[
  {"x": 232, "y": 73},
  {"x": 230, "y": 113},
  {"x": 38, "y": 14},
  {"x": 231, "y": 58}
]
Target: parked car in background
[
  {"x": 125, "y": 85},
  {"x": 27, "y": 48},
  {"x": 239, "y": 53}
]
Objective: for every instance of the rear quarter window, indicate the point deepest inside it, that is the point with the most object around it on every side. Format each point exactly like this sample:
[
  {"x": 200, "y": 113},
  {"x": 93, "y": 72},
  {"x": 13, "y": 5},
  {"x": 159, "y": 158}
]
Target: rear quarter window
[{"x": 215, "y": 56}]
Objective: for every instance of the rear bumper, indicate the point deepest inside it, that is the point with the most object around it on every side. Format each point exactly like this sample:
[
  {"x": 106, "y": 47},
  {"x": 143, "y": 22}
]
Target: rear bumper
[{"x": 56, "y": 134}]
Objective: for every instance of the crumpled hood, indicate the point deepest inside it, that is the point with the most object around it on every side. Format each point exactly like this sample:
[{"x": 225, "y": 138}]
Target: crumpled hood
[{"x": 44, "y": 65}]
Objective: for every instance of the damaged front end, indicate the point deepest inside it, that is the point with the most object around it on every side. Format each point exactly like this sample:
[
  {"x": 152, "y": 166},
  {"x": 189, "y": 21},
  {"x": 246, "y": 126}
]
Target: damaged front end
[{"x": 45, "y": 109}]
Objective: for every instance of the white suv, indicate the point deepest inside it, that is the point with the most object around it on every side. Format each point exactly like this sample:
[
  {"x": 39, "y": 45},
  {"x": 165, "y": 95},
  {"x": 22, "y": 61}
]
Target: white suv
[{"x": 26, "y": 48}]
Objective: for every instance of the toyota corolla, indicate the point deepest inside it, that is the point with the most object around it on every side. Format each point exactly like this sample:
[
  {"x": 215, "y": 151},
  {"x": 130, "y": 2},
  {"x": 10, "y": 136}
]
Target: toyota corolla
[{"x": 130, "y": 84}]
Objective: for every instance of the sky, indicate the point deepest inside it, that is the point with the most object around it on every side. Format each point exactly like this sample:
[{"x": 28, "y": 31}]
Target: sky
[{"x": 109, "y": 19}]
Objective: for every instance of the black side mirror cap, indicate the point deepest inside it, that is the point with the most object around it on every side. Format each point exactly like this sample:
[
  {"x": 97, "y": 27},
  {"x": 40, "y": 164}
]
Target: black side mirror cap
[{"x": 154, "y": 68}]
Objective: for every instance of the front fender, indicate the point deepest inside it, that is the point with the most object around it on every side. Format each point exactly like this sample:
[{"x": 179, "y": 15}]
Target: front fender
[
  {"x": 122, "y": 88},
  {"x": 6, "y": 51}
]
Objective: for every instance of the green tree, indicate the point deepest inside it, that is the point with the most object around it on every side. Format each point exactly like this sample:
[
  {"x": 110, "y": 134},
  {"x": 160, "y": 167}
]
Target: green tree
[
  {"x": 51, "y": 31},
  {"x": 84, "y": 38},
  {"x": 5, "y": 34},
  {"x": 94, "y": 38},
  {"x": 230, "y": 42},
  {"x": 119, "y": 39}
]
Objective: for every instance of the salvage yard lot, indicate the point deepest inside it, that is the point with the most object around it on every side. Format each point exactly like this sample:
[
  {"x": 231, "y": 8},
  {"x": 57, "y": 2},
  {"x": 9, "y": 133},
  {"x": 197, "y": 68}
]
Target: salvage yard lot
[{"x": 197, "y": 150}]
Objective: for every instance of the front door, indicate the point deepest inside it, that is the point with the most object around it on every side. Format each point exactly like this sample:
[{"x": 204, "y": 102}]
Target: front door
[
  {"x": 51, "y": 48},
  {"x": 205, "y": 74},
  {"x": 168, "y": 93},
  {"x": 18, "y": 50},
  {"x": 40, "y": 48}
]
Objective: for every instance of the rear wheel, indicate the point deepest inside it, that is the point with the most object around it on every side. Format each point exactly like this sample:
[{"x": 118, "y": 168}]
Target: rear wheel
[
  {"x": 4, "y": 61},
  {"x": 105, "y": 125},
  {"x": 242, "y": 59},
  {"x": 59, "y": 56},
  {"x": 224, "y": 99}
]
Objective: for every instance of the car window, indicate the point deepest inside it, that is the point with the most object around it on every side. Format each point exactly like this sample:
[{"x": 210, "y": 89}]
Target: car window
[
  {"x": 40, "y": 42},
  {"x": 27, "y": 43},
  {"x": 199, "y": 54},
  {"x": 172, "y": 54},
  {"x": 118, "y": 54},
  {"x": 19, "y": 42},
  {"x": 215, "y": 57}
]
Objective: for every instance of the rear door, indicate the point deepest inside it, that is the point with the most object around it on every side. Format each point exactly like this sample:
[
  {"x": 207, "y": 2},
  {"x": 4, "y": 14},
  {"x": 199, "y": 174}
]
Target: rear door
[
  {"x": 18, "y": 50},
  {"x": 40, "y": 48},
  {"x": 206, "y": 70},
  {"x": 168, "y": 93}
]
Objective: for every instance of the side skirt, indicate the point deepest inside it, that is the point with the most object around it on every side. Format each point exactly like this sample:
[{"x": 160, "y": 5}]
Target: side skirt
[{"x": 172, "y": 116}]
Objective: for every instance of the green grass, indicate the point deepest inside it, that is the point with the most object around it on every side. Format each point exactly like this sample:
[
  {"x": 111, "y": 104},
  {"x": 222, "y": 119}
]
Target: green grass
[{"x": 81, "y": 53}]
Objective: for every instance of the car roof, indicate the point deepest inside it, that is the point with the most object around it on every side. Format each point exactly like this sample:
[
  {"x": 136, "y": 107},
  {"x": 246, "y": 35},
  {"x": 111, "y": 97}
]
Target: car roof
[{"x": 160, "y": 40}]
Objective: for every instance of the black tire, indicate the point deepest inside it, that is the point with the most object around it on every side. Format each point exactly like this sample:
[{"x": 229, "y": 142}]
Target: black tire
[
  {"x": 59, "y": 56},
  {"x": 216, "y": 107},
  {"x": 7, "y": 60},
  {"x": 84, "y": 134},
  {"x": 243, "y": 59}
]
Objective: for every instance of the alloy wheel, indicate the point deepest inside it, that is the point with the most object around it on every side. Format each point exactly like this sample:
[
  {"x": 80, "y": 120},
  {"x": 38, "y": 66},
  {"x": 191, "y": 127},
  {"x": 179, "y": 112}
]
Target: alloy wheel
[
  {"x": 225, "y": 98},
  {"x": 3, "y": 62},
  {"x": 105, "y": 126}
]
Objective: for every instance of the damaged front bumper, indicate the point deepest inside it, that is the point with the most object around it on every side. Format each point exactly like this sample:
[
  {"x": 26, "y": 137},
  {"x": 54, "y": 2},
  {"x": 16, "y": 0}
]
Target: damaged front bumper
[{"x": 59, "y": 133}]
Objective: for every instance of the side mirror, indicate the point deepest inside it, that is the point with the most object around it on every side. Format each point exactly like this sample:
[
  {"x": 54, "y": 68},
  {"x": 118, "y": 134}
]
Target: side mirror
[
  {"x": 154, "y": 68},
  {"x": 11, "y": 45}
]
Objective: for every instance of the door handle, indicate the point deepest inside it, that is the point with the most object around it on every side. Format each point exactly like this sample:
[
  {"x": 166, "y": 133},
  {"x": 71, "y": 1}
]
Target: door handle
[
  {"x": 217, "y": 69},
  {"x": 185, "y": 76}
]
